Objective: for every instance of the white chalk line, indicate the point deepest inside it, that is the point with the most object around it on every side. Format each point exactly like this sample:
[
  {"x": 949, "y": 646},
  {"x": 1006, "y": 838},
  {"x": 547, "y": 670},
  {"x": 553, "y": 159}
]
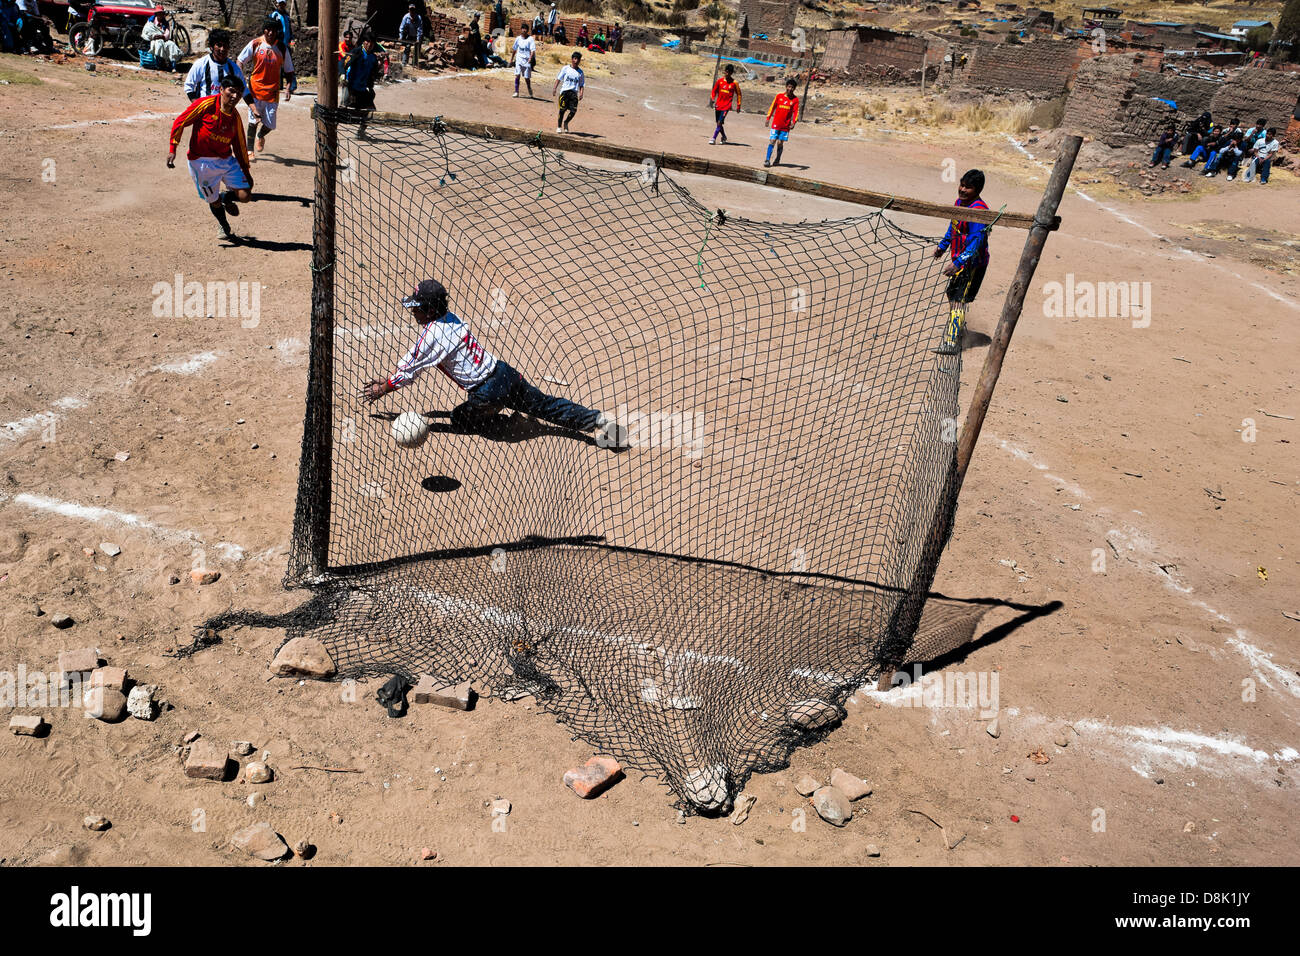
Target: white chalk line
[
  {"x": 144, "y": 117},
  {"x": 108, "y": 516},
  {"x": 18, "y": 428},
  {"x": 1204, "y": 260},
  {"x": 1142, "y": 550}
]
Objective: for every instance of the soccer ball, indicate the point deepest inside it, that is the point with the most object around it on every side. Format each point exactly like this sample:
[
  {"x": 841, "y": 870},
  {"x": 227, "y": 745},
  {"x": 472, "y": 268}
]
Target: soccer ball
[{"x": 410, "y": 429}]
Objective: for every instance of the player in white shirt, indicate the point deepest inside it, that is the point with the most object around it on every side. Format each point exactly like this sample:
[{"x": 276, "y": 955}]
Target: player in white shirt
[
  {"x": 204, "y": 78},
  {"x": 523, "y": 54},
  {"x": 570, "y": 84},
  {"x": 445, "y": 342}
]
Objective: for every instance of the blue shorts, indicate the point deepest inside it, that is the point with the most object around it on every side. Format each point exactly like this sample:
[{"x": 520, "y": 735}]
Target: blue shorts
[{"x": 780, "y": 135}]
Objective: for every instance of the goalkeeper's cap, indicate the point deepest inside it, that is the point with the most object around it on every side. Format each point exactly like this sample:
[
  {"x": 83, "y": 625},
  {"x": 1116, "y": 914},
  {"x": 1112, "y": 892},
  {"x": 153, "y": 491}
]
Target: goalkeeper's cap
[{"x": 429, "y": 294}]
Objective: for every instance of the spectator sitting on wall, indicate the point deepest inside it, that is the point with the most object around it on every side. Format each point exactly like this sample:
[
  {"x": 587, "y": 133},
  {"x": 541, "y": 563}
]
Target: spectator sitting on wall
[
  {"x": 598, "y": 43},
  {"x": 561, "y": 35},
  {"x": 1255, "y": 132},
  {"x": 539, "y": 26},
  {"x": 1165, "y": 147},
  {"x": 584, "y": 38}
]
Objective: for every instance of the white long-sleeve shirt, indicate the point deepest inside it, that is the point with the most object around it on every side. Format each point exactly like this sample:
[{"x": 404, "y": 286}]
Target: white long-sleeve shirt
[
  {"x": 204, "y": 78},
  {"x": 448, "y": 344}
]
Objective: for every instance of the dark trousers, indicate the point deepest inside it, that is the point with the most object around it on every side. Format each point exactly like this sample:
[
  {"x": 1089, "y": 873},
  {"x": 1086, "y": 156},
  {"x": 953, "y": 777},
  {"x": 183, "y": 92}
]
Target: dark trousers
[
  {"x": 1162, "y": 155},
  {"x": 507, "y": 388}
]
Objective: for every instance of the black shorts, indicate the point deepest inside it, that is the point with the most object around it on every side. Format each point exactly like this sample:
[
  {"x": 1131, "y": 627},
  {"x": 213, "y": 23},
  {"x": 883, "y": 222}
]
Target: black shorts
[
  {"x": 965, "y": 285},
  {"x": 569, "y": 100},
  {"x": 719, "y": 116}
]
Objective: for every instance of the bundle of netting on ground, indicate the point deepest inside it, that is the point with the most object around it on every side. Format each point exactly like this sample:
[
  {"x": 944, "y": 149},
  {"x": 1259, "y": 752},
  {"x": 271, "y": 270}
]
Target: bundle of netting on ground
[{"x": 698, "y": 603}]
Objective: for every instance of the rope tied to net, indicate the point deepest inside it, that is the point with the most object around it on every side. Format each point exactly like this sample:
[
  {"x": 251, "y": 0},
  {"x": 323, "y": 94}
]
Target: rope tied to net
[
  {"x": 875, "y": 228},
  {"x": 319, "y": 269},
  {"x": 537, "y": 141},
  {"x": 720, "y": 218}
]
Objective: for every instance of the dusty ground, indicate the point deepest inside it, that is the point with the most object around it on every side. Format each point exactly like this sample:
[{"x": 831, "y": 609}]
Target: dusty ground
[{"x": 1170, "y": 670}]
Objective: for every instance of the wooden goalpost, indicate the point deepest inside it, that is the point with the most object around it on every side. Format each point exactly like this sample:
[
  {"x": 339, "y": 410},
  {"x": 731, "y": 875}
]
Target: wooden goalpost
[{"x": 313, "y": 516}]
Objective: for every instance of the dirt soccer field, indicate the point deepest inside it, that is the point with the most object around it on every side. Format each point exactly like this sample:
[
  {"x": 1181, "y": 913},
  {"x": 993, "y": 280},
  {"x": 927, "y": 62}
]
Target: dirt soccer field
[{"x": 1134, "y": 495}]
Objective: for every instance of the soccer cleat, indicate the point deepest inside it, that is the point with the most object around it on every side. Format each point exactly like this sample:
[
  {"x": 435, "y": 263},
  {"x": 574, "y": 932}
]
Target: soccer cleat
[
  {"x": 559, "y": 130},
  {"x": 516, "y": 94},
  {"x": 766, "y": 163},
  {"x": 230, "y": 205},
  {"x": 1231, "y": 178},
  {"x": 226, "y": 234}
]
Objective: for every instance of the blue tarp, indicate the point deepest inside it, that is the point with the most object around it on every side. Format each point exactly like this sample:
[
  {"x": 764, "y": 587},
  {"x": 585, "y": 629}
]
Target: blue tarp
[
  {"x": 671, "y": 43},
  {"x": 751, "y": 60},
  {"x": 1170, "y": 103}
]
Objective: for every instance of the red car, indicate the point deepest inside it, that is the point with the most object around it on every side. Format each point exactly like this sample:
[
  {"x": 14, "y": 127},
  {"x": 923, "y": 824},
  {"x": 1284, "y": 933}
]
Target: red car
[{"x": 121, "y": 24}]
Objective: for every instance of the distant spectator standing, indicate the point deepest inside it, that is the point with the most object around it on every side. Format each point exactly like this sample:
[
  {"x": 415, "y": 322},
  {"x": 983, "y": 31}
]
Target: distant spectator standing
[
  {"x": 551, "y": 16},
  {"x": 281, "y": 16},
  {"x": 360, "y": 71},
  {"x": 499, "y": 18},
  {"x": 411, "y": 33},
  {"x": 204, "y": 78},
  {"x": 616, "y": 39}
]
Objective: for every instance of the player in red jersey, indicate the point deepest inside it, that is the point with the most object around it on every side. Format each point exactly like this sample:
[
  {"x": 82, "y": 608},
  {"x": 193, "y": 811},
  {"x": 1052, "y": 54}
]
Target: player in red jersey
[
  {"x": 218, "y": 153},
  {"x": 725, "y": 97},
  {"x": 781, "y": 116}
]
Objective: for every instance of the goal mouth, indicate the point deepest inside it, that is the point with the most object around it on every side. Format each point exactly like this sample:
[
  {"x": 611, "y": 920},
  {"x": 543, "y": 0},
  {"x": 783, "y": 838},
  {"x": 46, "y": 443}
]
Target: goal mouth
[{"x": 700, "y": 601}]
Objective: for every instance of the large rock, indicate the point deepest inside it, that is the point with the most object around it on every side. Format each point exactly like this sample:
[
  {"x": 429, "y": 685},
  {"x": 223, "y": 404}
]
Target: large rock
[
  {"x": 832, "y": 806},
  {"x": 303, "y": 657},
  {"x": 258, "y": 772},
  {"x": 105, "y": 703},
  {"x": 260, "y": 841},
  {"x": 706, "y": 787}
]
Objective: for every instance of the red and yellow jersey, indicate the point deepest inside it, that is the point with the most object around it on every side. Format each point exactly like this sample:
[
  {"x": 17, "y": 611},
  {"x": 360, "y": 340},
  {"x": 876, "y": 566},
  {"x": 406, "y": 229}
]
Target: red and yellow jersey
[
  {"x": 784, "y": 112},
  {"x": 725, "y": 92},
  {"x": 263, "y": 64},
  {"x": 215, "y": 134}
]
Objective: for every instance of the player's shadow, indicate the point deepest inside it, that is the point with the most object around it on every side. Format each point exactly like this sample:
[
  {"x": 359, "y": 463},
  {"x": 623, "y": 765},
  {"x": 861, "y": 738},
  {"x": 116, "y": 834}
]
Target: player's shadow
[
  {"x": 288, "y": 161},
  {"x": 974, "y": 340},
  {"x": 789, "y": 166},
  {"x": 303, "y": 201},
  {"x": 732, "y": 142},
  {"x": 270, "y": 245},
  {"x": 511, "y": 429},
  {"x": 583, "y": 135}
]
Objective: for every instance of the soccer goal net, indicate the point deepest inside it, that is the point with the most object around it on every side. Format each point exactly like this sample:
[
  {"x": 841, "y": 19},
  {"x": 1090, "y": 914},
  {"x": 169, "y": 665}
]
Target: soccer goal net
[{"x": 702, "y": 601}]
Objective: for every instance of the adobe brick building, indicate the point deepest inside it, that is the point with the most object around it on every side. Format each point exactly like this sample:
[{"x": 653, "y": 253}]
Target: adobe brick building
[
  {"x": 865, "y": 52},
  {"x": 774, "y": 18}
]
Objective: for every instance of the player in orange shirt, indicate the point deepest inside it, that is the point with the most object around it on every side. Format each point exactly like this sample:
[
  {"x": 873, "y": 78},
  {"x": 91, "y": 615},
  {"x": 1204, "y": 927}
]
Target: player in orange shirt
[
  {"x": 781, "y": 116},
  {"x": 725, "y": 97},
  {"x": 217, "y": 152},
  {"x": 264, "y": 61}
]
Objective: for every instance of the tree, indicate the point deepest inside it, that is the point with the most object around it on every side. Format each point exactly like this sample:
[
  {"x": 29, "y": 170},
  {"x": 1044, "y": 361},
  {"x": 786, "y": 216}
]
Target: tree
[{"x": 1288, "y": 25}]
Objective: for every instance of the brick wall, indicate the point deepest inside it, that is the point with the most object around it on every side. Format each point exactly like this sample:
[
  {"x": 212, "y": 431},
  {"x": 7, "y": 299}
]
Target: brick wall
[
  {"x": 571, "y": 26},
  {"x": 772, "y": 17},
  {"x": 1256, "y": 92},
  {"x": 863, "y": 53},
  {"x": 1044, "y": 66},
  {"x": 1118, "y": 103}
]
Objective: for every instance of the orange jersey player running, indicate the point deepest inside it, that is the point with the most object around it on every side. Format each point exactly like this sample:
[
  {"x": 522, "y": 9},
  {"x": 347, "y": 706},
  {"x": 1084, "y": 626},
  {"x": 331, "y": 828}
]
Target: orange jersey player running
[
  {"x": 724, "y": 98},
  {"x": 217, "y": 152},
  {"x": 264, "y": 61},
  {"x": 781, "y": 116}
]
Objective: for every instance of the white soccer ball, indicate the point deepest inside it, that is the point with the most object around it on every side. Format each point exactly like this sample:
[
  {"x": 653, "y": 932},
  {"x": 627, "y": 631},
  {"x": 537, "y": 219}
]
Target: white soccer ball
[{"x": 410, "y": 429}]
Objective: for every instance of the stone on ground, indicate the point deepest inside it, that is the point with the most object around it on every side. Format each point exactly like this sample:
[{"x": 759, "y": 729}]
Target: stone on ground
[
  {"x": 807, "y": 786},
  {"x": 706, "y": 787},
  {"x": 594, "y": 778},
  {"x": 114, "y": 677},
  {"x": 744, "y": 803},
  {"x": 303, "y": 657},
  {"x": 26, "y": 725},
  {"x": 855, "y": 788},
  {"x": 431, "y": 691},
  {"x": 96, "y": 823},
  {"x": 260, "y": 841},
  {"x": 204, "y": 576},
  {"x": 206, "y": 761},
  {"x": 104, "y": 703},
  {"x": 812, "y": 714},
  {"x": 78, "y": 663},
  {"x": 140, "y": 703},
  {"x": 258, "y": 772},
  {"x": 832, "y": 806}
]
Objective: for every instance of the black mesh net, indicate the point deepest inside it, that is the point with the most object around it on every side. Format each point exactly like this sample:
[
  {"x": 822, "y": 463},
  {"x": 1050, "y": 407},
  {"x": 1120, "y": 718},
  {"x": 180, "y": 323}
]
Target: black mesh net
[{"x": 702, "y": 601}]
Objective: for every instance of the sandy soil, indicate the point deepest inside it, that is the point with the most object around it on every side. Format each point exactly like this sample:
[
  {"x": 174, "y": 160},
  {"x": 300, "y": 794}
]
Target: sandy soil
[{"x": 1169, "y": 670}]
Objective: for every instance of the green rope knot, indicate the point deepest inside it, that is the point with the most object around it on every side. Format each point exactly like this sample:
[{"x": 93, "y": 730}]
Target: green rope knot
[{"x": 720, "y": 217}]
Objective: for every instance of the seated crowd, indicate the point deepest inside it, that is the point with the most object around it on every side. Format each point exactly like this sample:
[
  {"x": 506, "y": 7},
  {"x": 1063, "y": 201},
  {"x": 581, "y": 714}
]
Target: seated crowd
[{"x": 1229, "y": 149}]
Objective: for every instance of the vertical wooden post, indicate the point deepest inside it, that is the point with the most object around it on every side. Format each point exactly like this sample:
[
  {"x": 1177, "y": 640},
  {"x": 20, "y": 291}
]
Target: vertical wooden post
[
  {"x": 717, "y": 62},
  {"x": 925, "y": 54},
  {"x": 318, "y": 441},
  {"x": 908, "y": 614}
]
